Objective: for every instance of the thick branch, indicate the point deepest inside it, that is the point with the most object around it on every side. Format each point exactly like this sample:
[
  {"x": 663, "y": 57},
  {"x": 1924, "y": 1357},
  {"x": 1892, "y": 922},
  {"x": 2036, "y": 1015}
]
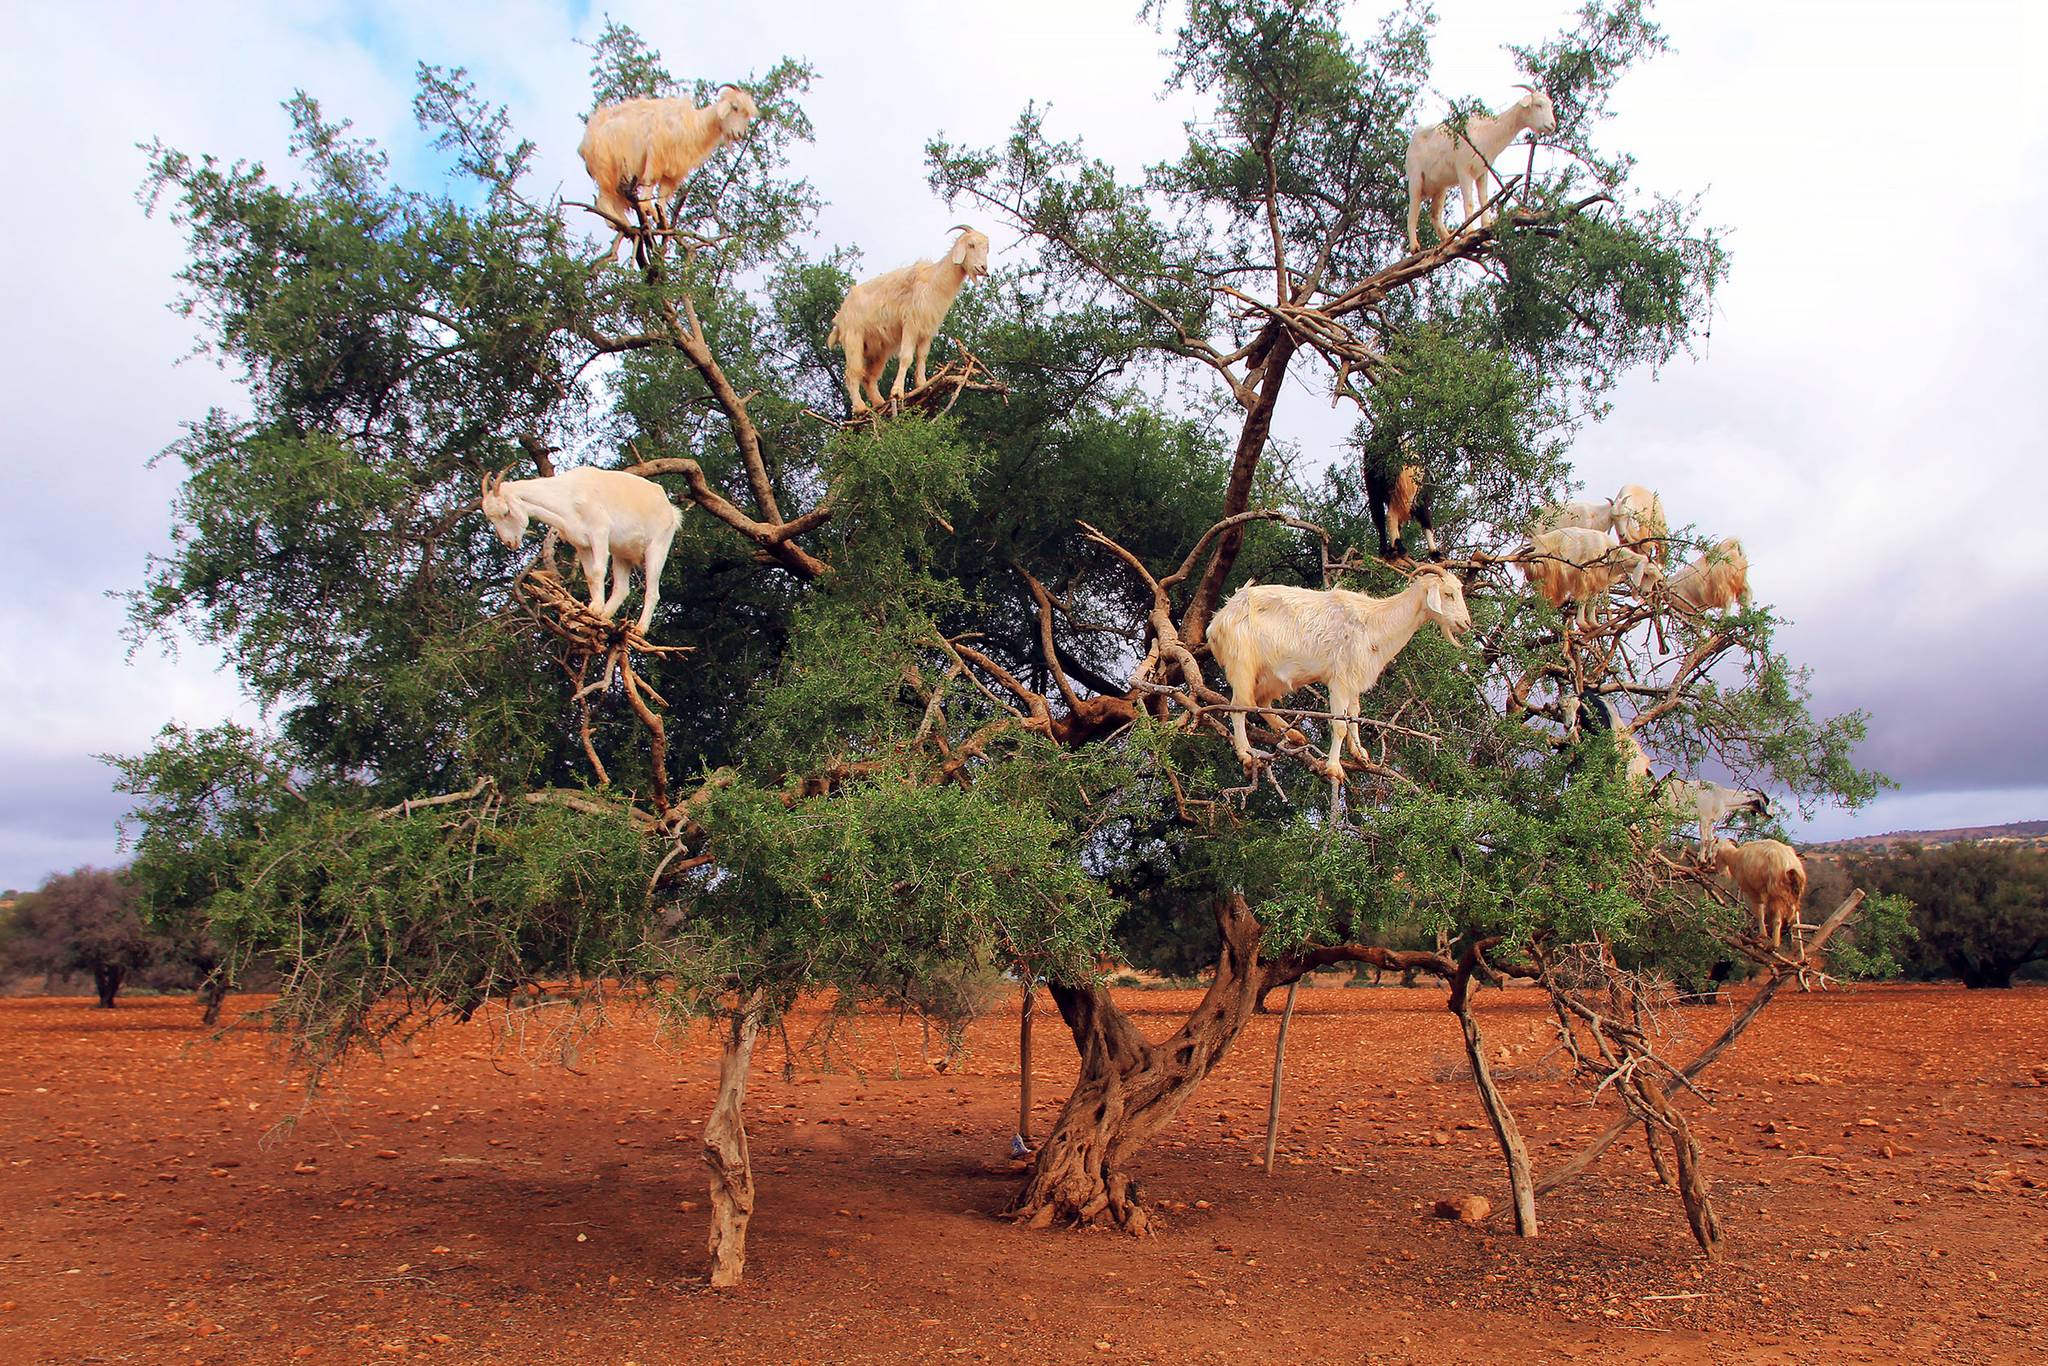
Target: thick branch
[{"x": 773, "y": 540}]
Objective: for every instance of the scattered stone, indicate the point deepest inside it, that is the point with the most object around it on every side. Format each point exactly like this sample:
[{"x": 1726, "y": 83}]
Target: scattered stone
[{"x": 1470, "y": 1209}]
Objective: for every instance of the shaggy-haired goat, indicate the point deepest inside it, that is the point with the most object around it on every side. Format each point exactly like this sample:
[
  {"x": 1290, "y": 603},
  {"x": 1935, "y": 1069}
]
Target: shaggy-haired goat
[
  {"x": 1578, "y": 565},
  {"x": 650, "y": 146},
  {"x": 1273, "y": 638},
  {"x": 616, "y": 521},
  {"x": 1771, "y": 879},
  {"x": 1719, "y": 578},
  {"x": 898, "y": 313},
  {"x": 1639, "y": 520},
  {"x": 1636, "y": 515},
  {"x": 1439, "y": 160}
]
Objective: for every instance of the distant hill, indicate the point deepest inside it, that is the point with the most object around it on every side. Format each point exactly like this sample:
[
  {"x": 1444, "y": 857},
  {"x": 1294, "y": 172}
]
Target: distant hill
[{"x": 2031, "y": 834}]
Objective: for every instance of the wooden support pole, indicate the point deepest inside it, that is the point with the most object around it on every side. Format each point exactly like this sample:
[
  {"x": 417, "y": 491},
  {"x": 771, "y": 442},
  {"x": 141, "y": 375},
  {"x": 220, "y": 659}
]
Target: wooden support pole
[
  {"x": 1024, "y": 1061},
  {"x": 1279, "y": 1067},
  {"x": 1521, "y": 1182}
]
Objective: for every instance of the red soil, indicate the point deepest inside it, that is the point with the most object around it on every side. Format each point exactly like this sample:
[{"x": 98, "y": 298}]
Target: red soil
[{"x": 1878, "y": 1159}]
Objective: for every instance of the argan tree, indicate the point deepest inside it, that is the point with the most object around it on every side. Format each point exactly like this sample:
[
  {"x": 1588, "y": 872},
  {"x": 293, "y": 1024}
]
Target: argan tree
[
  {"x": 82, "y": 921},
  {"x": 928, "y": 690}
]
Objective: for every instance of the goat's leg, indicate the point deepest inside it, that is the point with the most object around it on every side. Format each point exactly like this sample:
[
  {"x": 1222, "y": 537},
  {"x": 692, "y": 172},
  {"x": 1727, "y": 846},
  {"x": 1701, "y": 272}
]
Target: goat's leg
[
  {"x": 1342, "y": 733},
  {"x": 1240, "y": 739},
  {"x": 622, "y": 584},
  {"x": 596, "y": 560},
  {"x": 856, "y": 351},
  {"x": 906, "y": 356},
  {"x": 1414, "y": 211},
  {"x": 924, "y": 349},
  {"x": 1436, "y": 215},
  {"x": 650, "y": 577}
]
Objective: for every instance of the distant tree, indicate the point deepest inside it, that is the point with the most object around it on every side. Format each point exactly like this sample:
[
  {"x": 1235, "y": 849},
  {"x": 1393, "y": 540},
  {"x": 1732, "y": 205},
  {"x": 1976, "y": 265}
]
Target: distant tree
[
  {"x": 1981, "y": 909},
  {"x": 82, "y": 921}
]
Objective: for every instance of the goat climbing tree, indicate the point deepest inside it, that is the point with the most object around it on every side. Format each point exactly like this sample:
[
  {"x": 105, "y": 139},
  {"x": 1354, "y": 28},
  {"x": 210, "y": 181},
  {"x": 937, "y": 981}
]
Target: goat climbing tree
[{"x": 930, "y": 688}]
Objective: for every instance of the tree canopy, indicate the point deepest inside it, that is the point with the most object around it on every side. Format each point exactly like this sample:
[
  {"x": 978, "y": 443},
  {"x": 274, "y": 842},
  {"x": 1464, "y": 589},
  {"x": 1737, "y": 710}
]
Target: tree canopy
[{"x": 932, "y": 688}]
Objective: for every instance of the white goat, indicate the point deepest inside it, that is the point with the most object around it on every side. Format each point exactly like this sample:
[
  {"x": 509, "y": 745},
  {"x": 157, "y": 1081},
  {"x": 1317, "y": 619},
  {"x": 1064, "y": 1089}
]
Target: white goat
[
  {"x": 1588, "y": 515},
  {"x": 1273, "y": 638},
  {"x": 1639, "y": 520},
  {"x": 1636, "y": 515},
  {"x": 1578, "y": 565},
  {"x": 649, "y": 147},
  {"x": 616, "y": 521},
  {"x": 1440, "y": 161},
  {"x": 1710, "y": 804},
  {"x": 1719, "y": 578},
  {"x": 898, "y": 313},
  {"x": 1771, "y": 879}
]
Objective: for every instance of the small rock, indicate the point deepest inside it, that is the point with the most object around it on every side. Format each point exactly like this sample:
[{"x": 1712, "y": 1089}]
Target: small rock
[{"x": 1469, "y": 1209}]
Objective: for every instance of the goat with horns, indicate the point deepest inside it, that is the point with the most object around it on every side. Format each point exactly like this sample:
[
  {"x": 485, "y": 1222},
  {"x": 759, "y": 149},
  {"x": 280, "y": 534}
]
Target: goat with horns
[{"x": 614, "y": 520}]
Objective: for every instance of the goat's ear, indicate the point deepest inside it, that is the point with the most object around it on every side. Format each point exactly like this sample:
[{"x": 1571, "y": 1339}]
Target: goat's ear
[
  {"x": 1433, "y": 597},
  {"x": 958, "y": 256}
]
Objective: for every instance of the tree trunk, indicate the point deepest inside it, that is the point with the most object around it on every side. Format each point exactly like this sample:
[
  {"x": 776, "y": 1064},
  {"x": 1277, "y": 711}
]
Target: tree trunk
[
  {"x": 1129, "y": 1089},
  {"x": 725, "y": 1152},
  {"x": 1521, "y": 1184},
  {"x": 106, "y": 979},
  {"x": 1986, "y": 976},
  {"x": 1251, "y": 446},
  {"x": 213, "y": 994}
]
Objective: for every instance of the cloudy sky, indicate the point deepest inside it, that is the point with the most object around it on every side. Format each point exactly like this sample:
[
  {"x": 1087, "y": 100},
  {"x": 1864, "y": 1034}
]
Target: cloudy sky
[{"x": 1869, "y": 416}]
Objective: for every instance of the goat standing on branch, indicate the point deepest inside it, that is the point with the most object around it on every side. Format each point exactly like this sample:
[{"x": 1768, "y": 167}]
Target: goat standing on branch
[
  {"x": 1640, "y": 522},
  {"x": 616, "y": 521},
  {"x": 1717, "y": 579},
  {"x": 1578, "y": 565},
  {"x": 1636, "y": 515},
  {"x": 1440, "y": 160},
  {"x": 1771, "y": 879},
  {"x": 1394, "y": 500},
  {"x": 1273, "y": 638},
  {"x": 649, "y": 147},
  {"x": 1710, "y": 804},
  {"x": 899, "y": 313}
]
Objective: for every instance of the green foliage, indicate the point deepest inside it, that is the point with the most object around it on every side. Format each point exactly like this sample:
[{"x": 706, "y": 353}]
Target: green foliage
[
  {"x": 861, "y": 890},
  {"x": 1980, "y": 910}
]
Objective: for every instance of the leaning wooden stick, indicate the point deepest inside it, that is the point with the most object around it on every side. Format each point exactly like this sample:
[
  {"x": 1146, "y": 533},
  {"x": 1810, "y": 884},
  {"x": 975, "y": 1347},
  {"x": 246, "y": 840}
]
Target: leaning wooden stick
[
  {"x": 1576, "y": 1166},
  {"x": 1279, "y": 1068}
]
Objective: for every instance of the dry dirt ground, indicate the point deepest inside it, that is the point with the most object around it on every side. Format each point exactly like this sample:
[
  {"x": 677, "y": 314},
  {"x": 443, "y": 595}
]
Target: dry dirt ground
[{"x": 1878, "y": 1156}]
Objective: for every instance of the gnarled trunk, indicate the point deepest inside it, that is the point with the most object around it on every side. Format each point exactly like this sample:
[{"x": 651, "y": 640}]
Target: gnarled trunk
[
  {"x": 106, "y": 979},
  {"x": 213, "y": 994},
  {"x": 1130, "y": 1088},
  {"x": 725, "y": 1153}
]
